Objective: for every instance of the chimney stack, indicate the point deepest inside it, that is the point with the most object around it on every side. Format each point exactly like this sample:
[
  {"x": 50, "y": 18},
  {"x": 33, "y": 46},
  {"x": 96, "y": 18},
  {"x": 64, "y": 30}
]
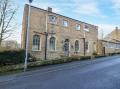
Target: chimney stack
[
  {"x": 116, "y": 28},
  {"x": 49, "y": 9}
]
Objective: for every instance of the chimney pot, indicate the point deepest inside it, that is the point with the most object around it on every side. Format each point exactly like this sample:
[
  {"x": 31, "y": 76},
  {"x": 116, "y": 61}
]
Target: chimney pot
[
  {"x": 116, "y": 28},
  {"x": 49, "y": 9}
]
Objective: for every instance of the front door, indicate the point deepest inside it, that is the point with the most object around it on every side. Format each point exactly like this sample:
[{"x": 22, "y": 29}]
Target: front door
[{"x": 66, "y": 47}]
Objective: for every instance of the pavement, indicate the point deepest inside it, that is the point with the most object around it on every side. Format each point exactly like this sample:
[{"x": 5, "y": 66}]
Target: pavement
[{"x": 103, "y": 73}]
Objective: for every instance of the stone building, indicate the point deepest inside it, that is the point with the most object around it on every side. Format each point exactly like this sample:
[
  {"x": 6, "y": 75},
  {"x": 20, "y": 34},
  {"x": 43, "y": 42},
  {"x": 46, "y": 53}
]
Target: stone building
[
  {"x": 66, "y": 36},
  {"x": 111, "y": 43},
  {"x": 114, "y": 35},
  {"x": 106, "y": 47}
]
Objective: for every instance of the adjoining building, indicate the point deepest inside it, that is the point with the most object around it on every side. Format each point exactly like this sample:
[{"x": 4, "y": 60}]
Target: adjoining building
[
  {"x": 66, "y": 36},
  {"x": 110, "y": 44},
  {"x": 114, "y": 35},
  {"x": 108, "y": 47}
]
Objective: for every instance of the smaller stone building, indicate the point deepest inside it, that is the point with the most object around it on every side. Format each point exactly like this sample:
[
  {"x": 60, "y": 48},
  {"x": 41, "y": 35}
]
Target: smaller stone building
[
  {"x": 107, "y": 47},
  {"x": 65, "y": 36},
  {"x": 110, "y": 44}
]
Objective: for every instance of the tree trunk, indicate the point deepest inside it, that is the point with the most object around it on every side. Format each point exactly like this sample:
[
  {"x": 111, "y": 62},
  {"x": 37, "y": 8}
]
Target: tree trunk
[{"x": 0, "y": 39}]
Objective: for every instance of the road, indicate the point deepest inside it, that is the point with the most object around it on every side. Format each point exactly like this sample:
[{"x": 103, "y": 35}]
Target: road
[{"x": 103, "y": 73}]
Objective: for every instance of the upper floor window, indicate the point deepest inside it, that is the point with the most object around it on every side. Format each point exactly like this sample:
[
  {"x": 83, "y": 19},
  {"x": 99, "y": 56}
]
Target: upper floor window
[
  {"x": 77, "y": 47},
  {"x": 86, "y": 28},
  {"x": 77, "y": 27},
  {"x": 65, "y": 23},
  {"x": 52, "y": 19},
  {"x": 36, "y": 43},
  {"x": 52, "y": 44}
]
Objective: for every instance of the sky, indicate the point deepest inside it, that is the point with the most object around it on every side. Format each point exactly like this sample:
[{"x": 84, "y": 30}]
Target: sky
[{"x": 103, "y": 13}]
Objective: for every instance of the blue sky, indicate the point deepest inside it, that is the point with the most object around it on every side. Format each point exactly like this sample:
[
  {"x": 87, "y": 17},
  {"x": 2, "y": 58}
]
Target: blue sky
[{"x": 103, "y": 13}]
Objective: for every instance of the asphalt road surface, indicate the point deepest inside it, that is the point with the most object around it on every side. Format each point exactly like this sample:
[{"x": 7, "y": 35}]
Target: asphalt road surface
[{"x": 103, "y": 73}]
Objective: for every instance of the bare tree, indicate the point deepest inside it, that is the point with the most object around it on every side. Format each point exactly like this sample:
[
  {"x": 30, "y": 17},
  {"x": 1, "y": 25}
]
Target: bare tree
[{"x": 7, "y": 14}]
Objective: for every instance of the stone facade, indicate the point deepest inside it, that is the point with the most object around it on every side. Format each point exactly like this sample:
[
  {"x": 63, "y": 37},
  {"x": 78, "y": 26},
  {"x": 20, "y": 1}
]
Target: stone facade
[
  {"x": 111, "y": 43},
  {"x": 114, "y": 35},
  {"x": 65, "y": 30}
]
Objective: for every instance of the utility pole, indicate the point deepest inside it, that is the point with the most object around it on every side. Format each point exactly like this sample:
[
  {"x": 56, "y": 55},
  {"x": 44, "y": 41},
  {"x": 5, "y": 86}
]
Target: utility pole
[{"x": 27, "y": 37}]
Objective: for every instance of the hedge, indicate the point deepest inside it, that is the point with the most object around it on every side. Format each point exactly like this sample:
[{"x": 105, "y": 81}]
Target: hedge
[
  {"x": 57, "y": 61},
  {"x": 8, "y": 57}
]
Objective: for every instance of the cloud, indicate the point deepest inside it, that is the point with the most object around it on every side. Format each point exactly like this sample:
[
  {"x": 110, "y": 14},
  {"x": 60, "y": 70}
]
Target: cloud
[
  {"x": 46, "y": 5},
  {"x": 105, "y": 29},
  {"x": 89, "y": 8},
  {"x": 81, "y": 7},
  {"x": 116, "y": 6}
]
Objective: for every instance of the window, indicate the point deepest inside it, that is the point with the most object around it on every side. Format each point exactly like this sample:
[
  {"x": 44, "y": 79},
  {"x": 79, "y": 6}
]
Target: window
[
  {"x": 86, "y": 28},
  {"x": 52, "y": 19},
  {"x": 36, "y": 43},
  {"x": 77, "y": 27},
  {"x": 52, "y": 44},
  {"x": 111, "y": 45},
  {"x": 77, "y": 46},
  {"x": 118, "y": 46},
  {"x": 65, "y": 23},
  {"x": 86, "y": 45}
]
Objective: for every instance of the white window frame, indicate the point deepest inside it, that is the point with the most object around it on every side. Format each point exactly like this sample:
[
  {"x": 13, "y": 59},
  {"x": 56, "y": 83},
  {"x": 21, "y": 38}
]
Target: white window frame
[
  {"x": 39, "y": 43},
  {"x": 65, "y": 23},
  {"x": 78, "y": 27},
  {"x": 79, "y": 45},
  {"x": 50, "y": 20},
  {"x": 49, "y": 43}
]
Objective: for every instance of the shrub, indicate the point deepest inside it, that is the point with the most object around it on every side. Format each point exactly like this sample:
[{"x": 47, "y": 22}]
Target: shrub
[
  {"x": 75, "y": 58},
  {"x": 99, "y": 56},
  {"x": 12, "y": 57},
  {"x": 95, "y": 53},
  {"x": 118, "y": 53},
  {"x": 111, "y": 54},
  {"x": 85, "y": 57}
]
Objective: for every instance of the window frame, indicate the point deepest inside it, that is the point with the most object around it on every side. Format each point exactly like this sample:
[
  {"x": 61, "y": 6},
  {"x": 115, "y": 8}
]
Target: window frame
[
  {"x": 78, "y": 45},
  {"x": 76, "y": 28},
  {"x": 64, "y": 24},
  {"x": 50, "y": 48},
  {"x": 39, "y": 49},
  {"x": 50, "y": 19}
]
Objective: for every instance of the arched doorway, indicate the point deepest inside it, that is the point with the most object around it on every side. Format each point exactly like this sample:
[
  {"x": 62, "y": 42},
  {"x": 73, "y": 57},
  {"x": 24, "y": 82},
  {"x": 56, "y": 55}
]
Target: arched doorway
[{"x": 66, "y": 47}]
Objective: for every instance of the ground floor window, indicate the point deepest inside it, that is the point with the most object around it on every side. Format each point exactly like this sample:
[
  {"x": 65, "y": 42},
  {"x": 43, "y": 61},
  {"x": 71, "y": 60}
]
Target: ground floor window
[
  {"x": 77, "y": 46},
  {"x": 36, "y": 43},
  {"x": 52, "y": 44},
  {"x": 66, "y": 47}
]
